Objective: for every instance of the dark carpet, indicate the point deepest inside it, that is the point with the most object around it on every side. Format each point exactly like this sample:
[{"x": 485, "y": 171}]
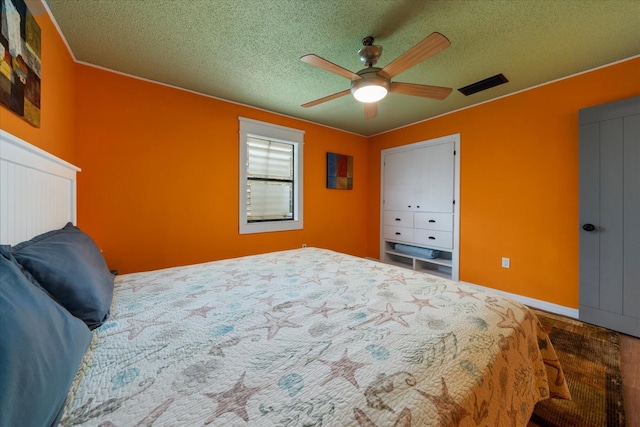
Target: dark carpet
[{"x": 590, "y": 358}]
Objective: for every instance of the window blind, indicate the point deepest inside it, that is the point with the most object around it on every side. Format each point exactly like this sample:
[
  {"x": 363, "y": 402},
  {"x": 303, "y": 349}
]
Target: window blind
[{"x": 269, "y": 180}]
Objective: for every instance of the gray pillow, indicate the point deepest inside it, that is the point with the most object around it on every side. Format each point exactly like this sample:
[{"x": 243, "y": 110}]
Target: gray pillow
[
  {"x": 69, "y": 266},
  {"x": 41, "y": 347}
]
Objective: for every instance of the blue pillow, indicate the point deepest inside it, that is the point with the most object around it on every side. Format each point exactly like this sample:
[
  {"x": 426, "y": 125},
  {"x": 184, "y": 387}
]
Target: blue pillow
[
  {"x": 41, "y": 347},
  {"x": 70, "y": 267}
]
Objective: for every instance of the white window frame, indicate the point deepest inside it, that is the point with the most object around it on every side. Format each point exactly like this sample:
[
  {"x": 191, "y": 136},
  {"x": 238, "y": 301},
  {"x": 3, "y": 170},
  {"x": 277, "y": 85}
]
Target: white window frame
[{"x": 263, "y": 130}]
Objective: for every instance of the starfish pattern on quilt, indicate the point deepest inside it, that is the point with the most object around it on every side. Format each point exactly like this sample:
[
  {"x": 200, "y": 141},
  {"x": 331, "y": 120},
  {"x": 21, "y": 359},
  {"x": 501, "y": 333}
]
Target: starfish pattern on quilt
[
  {"x": 135, "y": 286},
  {"x": 323, "y": 309},
  {"x": 421, "y": 303},
  {"x": 450, "y": 412},
  {"x": 233, "y": 400},
  {"x": 341, "y": 273},
  {"x": 268, "y": 300},
  {"x": 293, "y": 357},
  {"x": 343, "y": 368},
  {"x": 182, "y": 278},
  {"x": 397, "y": 276},
  {"x": 201, "y": 311},
  {"x": 274, "y": 324},
  {"x": 509, "y": 321},
  {"x": 314, "y": 279},
  {"x": 136, "y": 326},
  {"x": 389, "y": 314},
  {"x": 232, "y": 272},
  {"x": 234, "y": 284},
  {"x": 462, "y": 293}
]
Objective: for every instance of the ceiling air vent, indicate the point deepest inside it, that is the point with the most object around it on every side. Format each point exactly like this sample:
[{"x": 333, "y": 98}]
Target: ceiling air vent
[{"x": 485, "y": 84}]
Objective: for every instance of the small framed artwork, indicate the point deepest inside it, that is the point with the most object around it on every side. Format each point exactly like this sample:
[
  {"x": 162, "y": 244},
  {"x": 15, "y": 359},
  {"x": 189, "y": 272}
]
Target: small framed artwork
[
  {"x": 339, "y": 171},
  {"x": 20, "y": 61}
]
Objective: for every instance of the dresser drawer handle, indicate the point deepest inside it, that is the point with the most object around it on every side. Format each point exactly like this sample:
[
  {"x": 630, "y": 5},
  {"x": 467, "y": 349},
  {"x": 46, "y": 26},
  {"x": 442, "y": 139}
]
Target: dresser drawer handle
[
  {"x": 432, "y": 220},
  {"x": 398, "y": 219},
  {"x": 432, "y": 238},
  {"x": 398, "y": 233}
]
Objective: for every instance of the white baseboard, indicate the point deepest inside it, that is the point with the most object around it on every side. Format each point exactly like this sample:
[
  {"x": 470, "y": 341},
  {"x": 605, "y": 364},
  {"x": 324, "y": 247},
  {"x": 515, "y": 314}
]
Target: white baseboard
[{"x": 535, "y": 303}]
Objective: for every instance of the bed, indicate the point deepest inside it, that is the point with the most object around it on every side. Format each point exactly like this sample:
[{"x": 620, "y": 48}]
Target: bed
[{"x": 304, "y": 337}]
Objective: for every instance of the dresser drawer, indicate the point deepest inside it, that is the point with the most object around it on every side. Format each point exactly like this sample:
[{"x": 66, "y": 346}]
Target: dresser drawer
[
  {"x": 398, "y": 233},
  {"x": 398, "y": 218},
  {"x": 433, "y": 221},
  {"x": 433, "y": 238}
]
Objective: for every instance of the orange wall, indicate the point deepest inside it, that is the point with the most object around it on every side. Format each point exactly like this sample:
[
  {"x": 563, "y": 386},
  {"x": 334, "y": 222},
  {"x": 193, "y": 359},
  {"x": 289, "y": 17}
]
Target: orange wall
[
  {"x": 159, "y": 180},
  {"x": 518, "y": 183},
  {"x": 56, "y": 133},
  {"x": 159, "y": 185}
]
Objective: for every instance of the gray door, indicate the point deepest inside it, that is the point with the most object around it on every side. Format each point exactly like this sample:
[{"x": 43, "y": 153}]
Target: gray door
[{"x": 610, "y": 215}]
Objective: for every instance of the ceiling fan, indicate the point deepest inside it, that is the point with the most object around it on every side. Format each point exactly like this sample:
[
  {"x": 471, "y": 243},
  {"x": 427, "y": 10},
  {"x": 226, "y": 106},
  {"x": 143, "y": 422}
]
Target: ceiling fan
[{"x": 371, "y": 84}]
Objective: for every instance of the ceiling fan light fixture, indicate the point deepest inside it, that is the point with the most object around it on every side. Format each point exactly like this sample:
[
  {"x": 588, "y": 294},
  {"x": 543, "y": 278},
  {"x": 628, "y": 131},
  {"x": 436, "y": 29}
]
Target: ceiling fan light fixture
[
  {"x": 372, "y": 84},
  {"x": 369, "y": 93},
  {"x": 371, "y": 87}
]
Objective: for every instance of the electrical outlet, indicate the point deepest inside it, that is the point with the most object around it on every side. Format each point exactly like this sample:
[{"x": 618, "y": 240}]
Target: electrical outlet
[
  {"x": 506, "y": 263},
  {"x": 304, "y": 245}
]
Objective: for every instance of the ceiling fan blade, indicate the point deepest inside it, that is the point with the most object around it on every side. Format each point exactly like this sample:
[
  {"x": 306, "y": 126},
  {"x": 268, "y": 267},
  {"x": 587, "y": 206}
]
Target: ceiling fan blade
[
  {"x": 370, "y": 110},
  {"x": 326, "y": 98},
  {"x": 316, "y": 61},
  {"x": 426, "y": 91},
  {"x": 431, "y": 45}
]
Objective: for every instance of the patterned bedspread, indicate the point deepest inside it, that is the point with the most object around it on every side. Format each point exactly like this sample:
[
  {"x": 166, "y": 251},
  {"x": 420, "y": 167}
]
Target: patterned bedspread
[{"x": 311, "y": 337}]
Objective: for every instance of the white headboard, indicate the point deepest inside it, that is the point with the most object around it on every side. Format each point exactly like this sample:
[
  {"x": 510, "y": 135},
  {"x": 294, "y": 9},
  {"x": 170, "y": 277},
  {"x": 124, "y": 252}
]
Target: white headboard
[{"x": 37, "y": 190}]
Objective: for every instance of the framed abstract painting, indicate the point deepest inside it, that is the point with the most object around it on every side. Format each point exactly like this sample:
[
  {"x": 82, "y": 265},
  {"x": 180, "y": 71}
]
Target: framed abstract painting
[
  {"x": 339, "y": 171},
  {"x": 20, "y": 63}
]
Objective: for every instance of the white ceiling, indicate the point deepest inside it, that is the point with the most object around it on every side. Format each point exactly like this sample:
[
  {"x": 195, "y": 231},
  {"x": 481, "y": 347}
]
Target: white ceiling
[{"x": 248, "y": 51}]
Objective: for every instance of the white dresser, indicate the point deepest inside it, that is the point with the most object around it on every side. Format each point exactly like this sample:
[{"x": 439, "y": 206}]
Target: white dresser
[{"x": 420, "y": 205}]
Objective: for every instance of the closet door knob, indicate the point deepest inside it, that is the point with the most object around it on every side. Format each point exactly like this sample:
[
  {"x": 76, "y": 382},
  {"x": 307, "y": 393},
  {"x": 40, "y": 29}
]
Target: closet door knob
[{"x": 589, "y": 227}]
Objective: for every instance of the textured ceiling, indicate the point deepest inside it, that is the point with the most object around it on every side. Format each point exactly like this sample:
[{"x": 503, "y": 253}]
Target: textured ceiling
[{"x": 248, "y": 51}]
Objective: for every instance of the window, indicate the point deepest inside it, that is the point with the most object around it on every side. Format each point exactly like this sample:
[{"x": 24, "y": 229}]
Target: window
[
  {"x": 270, "y": 177},
  {"x": 269, "y": 180}
]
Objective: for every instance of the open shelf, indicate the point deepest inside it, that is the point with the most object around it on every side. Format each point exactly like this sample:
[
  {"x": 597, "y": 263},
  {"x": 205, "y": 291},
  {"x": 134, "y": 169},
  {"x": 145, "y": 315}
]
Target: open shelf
[
  {"x": 398, "y": 260},
  {"x": 440, "y": 266},
  {"x": 432, "y": 268},
  {"x": 438, "y": 261}
]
